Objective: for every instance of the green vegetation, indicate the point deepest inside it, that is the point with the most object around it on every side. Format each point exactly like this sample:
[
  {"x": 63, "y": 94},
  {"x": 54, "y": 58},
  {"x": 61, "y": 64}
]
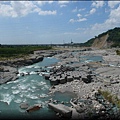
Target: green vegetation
[
  {"x": 89, "y": 42},
  {"x": 111, "y": 98},
  {"x": 11, "y": 51},
  {"x": 114, "y": 38},
  {"x": 117, "y": 52}
]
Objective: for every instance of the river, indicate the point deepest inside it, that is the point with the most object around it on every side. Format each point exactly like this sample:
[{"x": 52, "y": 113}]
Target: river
[{"x": 32, "y": 89}]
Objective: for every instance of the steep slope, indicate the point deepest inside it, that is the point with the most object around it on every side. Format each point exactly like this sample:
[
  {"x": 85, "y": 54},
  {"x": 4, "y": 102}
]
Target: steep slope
[
  {"x": 111, "y": 38},
  {"x": 101, "y": 42}
]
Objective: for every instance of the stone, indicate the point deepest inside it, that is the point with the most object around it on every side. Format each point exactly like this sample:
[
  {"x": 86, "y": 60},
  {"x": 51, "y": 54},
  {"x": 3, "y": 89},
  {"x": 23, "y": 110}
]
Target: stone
[
  {"x": 24, "y": 105},
  {"x": 34, "y": 108},
  {"x": 69, "y": 78},
  {"x": 62, "y": 80},
  {"x": 21, "y": 74},
  {"x": 53, "y": 87},
  {"x": 79, "y": 109},
  {"x": 76, "y": 76},
  {"x": 61, "y": 109},
  {"x": 47, "y": 76},
  {"x": 86, "y": 79},
  {"x": 15, "y": 78},
  {"x": 54, "y": 81}
]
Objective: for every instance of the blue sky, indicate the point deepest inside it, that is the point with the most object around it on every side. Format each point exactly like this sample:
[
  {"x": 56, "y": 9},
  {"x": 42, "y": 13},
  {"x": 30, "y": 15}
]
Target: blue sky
[{"x": 46, "y": 22}]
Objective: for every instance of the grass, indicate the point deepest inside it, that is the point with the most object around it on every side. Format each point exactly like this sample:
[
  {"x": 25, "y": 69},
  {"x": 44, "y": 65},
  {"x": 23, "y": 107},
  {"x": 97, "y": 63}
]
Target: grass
[
  {"x": 8, "y": 52},
  {"x": 110, "y": 98}
]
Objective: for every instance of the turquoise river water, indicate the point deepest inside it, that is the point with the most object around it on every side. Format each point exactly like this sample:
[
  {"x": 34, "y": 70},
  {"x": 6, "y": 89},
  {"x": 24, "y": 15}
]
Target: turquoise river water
[{"x": 32, "y": 89}]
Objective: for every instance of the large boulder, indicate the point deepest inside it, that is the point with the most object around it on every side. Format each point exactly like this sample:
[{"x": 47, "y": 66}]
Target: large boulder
[
  {"x": 61, "y": 109},
  {"x": 54, "y": 81}
]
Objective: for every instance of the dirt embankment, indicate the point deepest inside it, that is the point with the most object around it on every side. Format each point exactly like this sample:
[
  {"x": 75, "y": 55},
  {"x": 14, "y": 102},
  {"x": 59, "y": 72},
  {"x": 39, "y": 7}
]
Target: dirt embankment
[{"x": 101, "y": 42}]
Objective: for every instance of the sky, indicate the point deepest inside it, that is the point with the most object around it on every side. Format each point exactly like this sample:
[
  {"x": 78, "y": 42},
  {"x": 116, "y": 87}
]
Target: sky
[{"x": 56, "y": 22}]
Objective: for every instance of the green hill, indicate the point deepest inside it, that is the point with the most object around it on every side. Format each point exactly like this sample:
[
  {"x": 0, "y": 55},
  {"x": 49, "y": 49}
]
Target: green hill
[{"x": 111, "y": 38}]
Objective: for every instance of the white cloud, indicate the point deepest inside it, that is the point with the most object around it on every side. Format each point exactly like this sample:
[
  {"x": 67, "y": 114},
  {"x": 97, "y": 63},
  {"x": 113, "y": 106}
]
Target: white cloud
[
  {"x": 43, "y": 2},
  {"x": 92, "y": 11},
  {"x": 78, "y": 20},
  {"x": 78, "y": 10},
  {"x": 82, "y": 9},
  {"x": 79, "y": 15},
  {"x": 72, "y": 20},
  {"x": 98, "y": 4},
  {"x": 63, "y": 2},
  {"x": 75, "y": 10},
  {"x": 114, "y": 18},
  {"x": 63, "y": 6},
  {"x": 50, "y": 2},
  {"x": 112, "y": 21},
  {"x": 81, "y": 19},
  {"x": 47, "y": 12},
  {"x": 23, "y": 8},
  {"x": 15, "y": 9},
  {"x": 40, "y": 2},
  {"x": 112, "y": 4},
  {"x": 6, "y": 10}
]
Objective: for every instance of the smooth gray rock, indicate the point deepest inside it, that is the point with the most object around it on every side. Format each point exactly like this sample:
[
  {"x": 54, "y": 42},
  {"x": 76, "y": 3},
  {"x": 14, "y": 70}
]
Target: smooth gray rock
[
  {"x": 62, "y": 109},
  {"x": 54, "y": 81},
  {"x": 69, "y": 78},
  {"x": 24, "y": 105},
  {"x": 63, "y": 80},
  {"x": 47, "y": 76}
]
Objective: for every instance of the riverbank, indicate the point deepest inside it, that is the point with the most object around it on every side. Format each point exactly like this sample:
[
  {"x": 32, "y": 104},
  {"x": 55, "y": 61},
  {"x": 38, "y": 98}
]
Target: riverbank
[
  {"x": 9, "y": 67},
  {"x": 104, "y": 76},
  {"x": 82, "y": 73}
]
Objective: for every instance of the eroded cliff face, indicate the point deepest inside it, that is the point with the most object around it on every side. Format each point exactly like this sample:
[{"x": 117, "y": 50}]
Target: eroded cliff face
[{"x": 101, "y": 42}]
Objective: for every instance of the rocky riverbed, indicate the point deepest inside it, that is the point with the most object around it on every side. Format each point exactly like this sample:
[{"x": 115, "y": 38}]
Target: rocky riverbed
[
  {"x": 76, "y": 73},
  {"x": 9, "y": 67},
  {"x": 86, "y": 79}
]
